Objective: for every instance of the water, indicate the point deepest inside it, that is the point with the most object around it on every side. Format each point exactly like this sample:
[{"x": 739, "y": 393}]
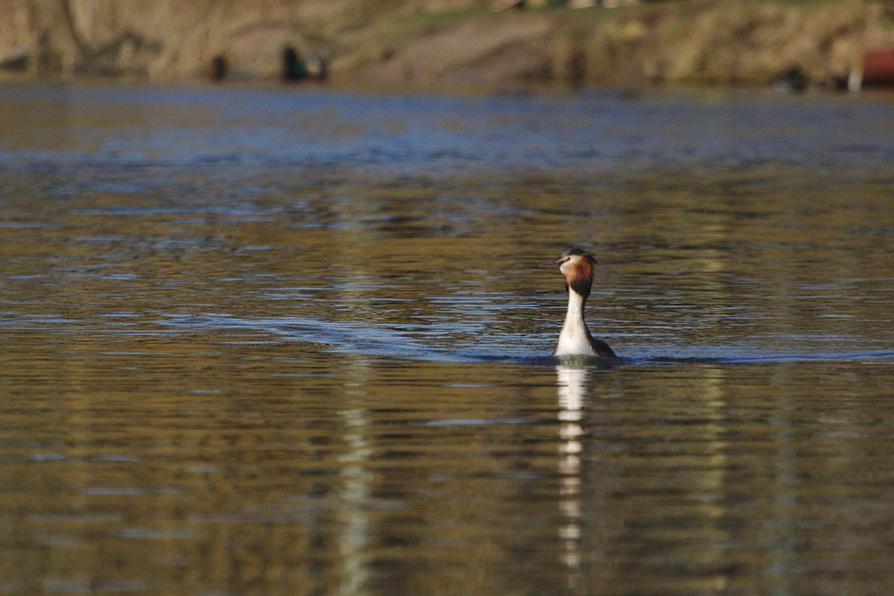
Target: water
[{"x": 276, "y": 340}]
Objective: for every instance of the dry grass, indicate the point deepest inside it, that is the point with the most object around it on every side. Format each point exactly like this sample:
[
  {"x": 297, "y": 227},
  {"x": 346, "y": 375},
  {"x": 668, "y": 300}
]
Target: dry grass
[{"x": 421, "y": 42}]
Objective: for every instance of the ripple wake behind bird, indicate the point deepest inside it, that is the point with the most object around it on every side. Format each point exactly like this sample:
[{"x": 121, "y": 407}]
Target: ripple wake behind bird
[{"x": 371, "y": 340}]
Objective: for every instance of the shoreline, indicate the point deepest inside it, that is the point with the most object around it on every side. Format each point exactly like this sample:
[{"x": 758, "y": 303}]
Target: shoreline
[
  {"x": 519, "y": 91},
  {"x": 686, "y": 43}
]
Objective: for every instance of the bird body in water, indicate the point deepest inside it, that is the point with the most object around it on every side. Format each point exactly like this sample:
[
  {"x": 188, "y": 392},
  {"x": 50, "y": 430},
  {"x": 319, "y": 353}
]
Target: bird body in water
[{"x": 577, "y": 266}]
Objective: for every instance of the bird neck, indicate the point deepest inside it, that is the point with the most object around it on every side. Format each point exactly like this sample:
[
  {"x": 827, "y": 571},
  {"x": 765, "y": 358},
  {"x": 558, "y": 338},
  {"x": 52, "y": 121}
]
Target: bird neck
[
  {"x": 574, "y": 316},
  {"x": 575, "y": 337}
]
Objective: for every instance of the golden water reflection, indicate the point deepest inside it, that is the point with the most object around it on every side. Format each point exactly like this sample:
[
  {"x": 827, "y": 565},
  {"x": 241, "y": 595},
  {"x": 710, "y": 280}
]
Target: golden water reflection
[{"x": 247, "y": 370}]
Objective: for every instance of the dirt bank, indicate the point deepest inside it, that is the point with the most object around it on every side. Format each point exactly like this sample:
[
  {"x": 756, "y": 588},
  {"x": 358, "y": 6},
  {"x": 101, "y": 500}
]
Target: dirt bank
[{"x": 445, "y": 42}]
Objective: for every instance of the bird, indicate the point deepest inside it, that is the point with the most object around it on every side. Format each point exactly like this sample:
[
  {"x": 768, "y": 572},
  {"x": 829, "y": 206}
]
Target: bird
[{"x": 577, "y": 266}]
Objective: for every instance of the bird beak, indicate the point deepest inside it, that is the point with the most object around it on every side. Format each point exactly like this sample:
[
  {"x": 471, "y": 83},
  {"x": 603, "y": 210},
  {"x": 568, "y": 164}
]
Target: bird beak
[{"x": 551, "y": 264}]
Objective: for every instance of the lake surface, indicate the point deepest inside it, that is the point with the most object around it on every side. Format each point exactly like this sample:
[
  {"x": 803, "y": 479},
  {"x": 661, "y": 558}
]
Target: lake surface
[{"x": 262, "y": 339}]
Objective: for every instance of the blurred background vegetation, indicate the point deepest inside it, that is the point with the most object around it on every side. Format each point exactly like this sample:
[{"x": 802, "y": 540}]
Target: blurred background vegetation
[{"x": 471, "y": 43}]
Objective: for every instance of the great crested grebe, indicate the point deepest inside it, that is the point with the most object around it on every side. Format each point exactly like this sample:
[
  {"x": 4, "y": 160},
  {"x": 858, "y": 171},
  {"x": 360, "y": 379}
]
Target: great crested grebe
[{"x": 577, "y": 266}]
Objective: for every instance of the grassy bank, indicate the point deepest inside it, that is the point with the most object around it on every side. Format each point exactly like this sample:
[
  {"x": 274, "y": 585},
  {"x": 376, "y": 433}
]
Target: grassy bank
[
  {"x": 458, "y": 43},
  {"x": 735, "y": 42}
]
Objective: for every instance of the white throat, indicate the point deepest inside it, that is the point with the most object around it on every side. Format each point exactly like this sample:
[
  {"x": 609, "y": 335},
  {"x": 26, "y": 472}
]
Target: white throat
[{"x": 574, "y": 338}]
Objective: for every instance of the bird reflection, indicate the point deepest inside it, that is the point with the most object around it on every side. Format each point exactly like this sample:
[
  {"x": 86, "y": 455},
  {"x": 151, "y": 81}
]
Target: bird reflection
[{"x": 572, "y": 385}]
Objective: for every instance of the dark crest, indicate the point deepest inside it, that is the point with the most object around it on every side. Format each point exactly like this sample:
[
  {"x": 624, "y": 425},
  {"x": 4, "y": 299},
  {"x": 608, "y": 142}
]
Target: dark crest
[{"x": 580, "y": 252}]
